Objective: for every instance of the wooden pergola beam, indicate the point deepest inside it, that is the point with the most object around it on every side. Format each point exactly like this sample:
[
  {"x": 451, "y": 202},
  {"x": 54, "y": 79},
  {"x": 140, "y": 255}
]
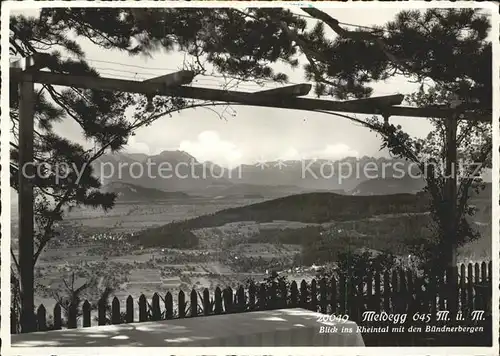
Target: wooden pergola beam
[
  {"x": 290, "y": 90},
  {"x": 379, "y": 101},
  {"x": 152, "y": 88},
  {"x": 181, "y": 77},
  {"x": 32, "y": 63}
]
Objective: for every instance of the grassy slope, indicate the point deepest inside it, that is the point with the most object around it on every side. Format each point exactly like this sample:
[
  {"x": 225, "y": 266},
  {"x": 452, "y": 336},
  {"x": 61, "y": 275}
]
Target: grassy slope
[
  {"x": 307, "y": 208},
  {"x": 353, "y": 227},
  {"x": 131, "y": 192}
]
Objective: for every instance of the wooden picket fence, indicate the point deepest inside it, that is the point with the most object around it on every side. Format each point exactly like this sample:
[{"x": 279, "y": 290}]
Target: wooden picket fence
[{"x": 396, "y": 291}]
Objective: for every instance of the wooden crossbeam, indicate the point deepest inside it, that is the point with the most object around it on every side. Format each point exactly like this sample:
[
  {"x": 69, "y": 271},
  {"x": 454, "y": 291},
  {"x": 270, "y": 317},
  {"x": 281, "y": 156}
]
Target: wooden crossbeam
[
  {"x": 34, "y": 62},
  {"x": 291, "y": 90},
  {"x": 379, "y": 101},
  {"x": 182, "y": 77},
  {"x": 152, "y": 88}
]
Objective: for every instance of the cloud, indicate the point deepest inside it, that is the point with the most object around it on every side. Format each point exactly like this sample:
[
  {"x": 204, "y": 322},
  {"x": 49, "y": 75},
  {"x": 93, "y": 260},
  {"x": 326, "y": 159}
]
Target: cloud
[
  {"x": 337, "y": 151},
  {"x": 210, "y": 147},
  {"x": 291, "y": 154},
  {"x": 331, "y": 152},
  {"x": 137, "y": 147}
]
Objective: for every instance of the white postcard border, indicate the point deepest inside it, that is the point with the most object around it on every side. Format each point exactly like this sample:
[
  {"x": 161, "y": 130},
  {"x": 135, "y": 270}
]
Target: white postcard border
[{"x": 8, "y": 6}]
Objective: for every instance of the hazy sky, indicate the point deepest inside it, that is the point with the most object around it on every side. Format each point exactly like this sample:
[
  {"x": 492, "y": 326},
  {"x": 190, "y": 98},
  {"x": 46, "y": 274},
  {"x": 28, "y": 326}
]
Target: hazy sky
[{"x": 253, "y": 133}]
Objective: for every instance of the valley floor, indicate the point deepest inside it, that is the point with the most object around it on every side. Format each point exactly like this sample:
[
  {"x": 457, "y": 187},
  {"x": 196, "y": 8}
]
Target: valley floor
[{"x": 91, "y": 247}]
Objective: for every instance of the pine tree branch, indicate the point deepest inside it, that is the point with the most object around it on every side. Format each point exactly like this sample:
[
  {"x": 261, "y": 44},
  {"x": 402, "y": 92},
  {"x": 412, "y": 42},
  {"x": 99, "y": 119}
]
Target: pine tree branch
[
  {"x": 465, "y": 132},
  {"x": 58, "y": 99},
  {"x": 358, "y": 36},
  {"x": 44, "y": 191},
  {"x": 466, "y": 184},
  {"x": 18, "y": 48},
  {"x": 309, "y": 53},
  {"x": 91, "y": 33},
  {"x": 16, "y": 119},
  {"x": 14, "y": 259}
]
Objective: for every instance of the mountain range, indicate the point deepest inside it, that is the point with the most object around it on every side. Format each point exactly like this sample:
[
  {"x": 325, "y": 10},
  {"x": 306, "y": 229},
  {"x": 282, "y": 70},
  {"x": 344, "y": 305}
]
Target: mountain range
[
  {"x": 178, "y": 171},
  {"x": 272, "y": 179}
]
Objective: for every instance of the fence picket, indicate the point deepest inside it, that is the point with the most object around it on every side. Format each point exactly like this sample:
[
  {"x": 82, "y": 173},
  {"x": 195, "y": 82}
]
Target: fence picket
[
  {"x": 303, "y": 295},
  {"x": 463, "y": 290},
  {"x": 57, "y": 317},
  {"x": 262, "y": 297},
  {"x": 454, "y": 292},
  {"x": 442, "y": 289},
  {"x": 72, "y": 315},
  {"x": 169, "y": 306},
  {"x": 129, "y": 312},
  {"x": 470, "y": 287},
  {"x": 395, "y": 291},
  {"x": 333, "y": 296},
  {"x": 387, "y": 291},
  {"x": 377, "y": 293},
  {"x": 41, "y": 318},
  {"x": 409, "y": 282},
  {"x": 86, "y": 314},
  {"x": 115, "y": 311},
  {"x": 155, "y": 307},
  {"x": 484, "y": 281},
  {"x": 314, "y": 296},
  {"x": 218, "y": 301},
  {"x": 101, "y": 311},
  {"x": 370, "y": 300},
  {"x": 251, "y": 296},
  {"x": 207, "y": 305},
  {"x": 343, "y": 295},
  {"x": 477, "y": 301},
  {"x": 181, "y": 304},
  {"x": 193, "y": 300},
  {"x": 294, "y": 295},
  {"x": 273, "y": 300},
  {"x": 351, "y": 301},
  {"x": 484, "y": 275},
  {"x": 323, "y": 292},
  {"x": 227, "y": 294},
  {"x": 476, "y": 273},
  {"x": 240, "y": 299},
  {"x": 283, "y": 300},
  {"x": 360, "y": 300},
  {"x": 401, "y": 293},
  {"x": 143, "y": 308},
  {"x": 433, "y": 292}
]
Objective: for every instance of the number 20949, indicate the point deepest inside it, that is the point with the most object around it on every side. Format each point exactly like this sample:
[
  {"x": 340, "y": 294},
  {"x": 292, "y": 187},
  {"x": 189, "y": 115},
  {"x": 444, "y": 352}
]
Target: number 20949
[{"x": 332, "y": 318}]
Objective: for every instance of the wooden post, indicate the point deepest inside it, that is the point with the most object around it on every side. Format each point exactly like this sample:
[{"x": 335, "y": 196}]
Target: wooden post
[
  {"x": 451, "y": 220},
  {"x": 26, "y": 221},
  {"x": 451, "y": 189}
]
